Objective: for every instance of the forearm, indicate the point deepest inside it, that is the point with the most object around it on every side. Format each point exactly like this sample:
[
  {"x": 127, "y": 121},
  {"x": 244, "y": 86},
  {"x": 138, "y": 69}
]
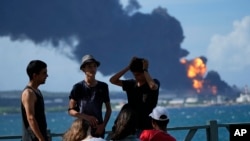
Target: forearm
[
  {"x": 76, "y": 114},
  {"x": 107, "y": 116},
  {"x": 115, "y": 78},
  {"x": 35, "y": 128},
  {"x": 150, "y": 81}
]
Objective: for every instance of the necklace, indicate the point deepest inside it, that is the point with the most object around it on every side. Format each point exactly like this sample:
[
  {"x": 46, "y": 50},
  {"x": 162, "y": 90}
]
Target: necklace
[{"x": 91, "y": 84}]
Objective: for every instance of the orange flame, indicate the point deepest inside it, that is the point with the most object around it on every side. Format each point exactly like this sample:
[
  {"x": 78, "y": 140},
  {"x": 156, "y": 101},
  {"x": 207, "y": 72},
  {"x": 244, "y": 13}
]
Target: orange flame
[{"x": 196, "y": 69}]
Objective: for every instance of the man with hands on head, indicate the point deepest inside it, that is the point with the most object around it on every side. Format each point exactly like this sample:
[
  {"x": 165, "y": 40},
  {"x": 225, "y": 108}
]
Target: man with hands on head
[{"x": 142, "y": 91}]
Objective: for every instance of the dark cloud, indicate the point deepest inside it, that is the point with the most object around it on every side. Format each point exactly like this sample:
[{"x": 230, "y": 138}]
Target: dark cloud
[{"x": 104, "y": 30}]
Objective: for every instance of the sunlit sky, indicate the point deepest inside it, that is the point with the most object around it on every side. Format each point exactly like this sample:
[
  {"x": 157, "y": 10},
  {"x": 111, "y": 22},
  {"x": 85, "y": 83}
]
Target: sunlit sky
[{"x": 217, "y": 29}]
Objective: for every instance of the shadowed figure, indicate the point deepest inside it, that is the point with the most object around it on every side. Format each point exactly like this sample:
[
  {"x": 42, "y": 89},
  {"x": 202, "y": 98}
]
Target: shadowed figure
[{"x": 124, "y": 127}]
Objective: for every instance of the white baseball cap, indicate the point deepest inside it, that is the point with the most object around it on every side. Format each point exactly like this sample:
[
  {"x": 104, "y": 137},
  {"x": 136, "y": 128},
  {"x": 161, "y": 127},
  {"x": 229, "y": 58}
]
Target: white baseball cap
[{"x": 159, "y": 111}]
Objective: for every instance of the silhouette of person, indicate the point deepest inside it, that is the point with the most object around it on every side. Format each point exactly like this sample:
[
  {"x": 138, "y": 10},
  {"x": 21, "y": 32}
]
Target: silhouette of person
[{"x": 124, "y": 127}]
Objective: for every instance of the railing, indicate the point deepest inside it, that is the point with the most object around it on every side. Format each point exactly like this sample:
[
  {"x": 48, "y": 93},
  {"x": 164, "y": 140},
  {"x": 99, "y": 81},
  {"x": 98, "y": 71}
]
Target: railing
[{"x": 211, "y": 131}]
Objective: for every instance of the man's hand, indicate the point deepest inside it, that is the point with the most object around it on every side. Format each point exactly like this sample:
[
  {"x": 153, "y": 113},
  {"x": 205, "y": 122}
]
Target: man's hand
[
  {"x": 92, "y": 121},
  {"x": 133, "y": 58},
  {"x": 145, "y": 64},
  {"x": 100, "y": 129}
]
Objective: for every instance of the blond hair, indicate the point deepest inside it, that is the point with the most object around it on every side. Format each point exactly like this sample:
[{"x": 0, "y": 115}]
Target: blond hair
[{"x": 77, "y": 131}]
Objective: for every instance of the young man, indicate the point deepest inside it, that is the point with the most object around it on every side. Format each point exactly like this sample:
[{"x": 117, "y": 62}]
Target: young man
[
  {"x": 142, "y": 91},
  {"x": 32, "y": 103},
  {"x": 160, "y": 121},
  {"x": 88, "y": 96}
]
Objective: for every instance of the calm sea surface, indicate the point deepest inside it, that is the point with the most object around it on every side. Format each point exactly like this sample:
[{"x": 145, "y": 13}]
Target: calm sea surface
[{"x": 59, "y": 122}]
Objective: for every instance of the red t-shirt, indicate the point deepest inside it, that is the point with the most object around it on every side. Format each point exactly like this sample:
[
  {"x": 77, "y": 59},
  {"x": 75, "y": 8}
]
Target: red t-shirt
[{"x": 155, "y": 135}]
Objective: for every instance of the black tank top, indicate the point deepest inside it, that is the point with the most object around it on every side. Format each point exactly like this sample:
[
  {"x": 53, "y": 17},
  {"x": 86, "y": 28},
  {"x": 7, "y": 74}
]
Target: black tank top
[{"x": 40, "y": 117}]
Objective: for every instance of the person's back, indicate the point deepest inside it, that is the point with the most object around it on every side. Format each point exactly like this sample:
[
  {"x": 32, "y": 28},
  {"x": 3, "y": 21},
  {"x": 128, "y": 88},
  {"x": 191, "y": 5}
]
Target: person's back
[
  {"x": 125, "y": 125},
  {"x": 94, "y": 139},
  {"x": 156, "y": 135},
  {"x": 159, "y": 120},
  {"x": 130, "y": 138}
]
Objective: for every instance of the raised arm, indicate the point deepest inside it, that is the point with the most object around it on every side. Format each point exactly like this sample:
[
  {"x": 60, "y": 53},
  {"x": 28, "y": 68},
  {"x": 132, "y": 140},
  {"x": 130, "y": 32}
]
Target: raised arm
[
  {"x": 150, "y": 81},
  {"x": 115, "y": 79}
]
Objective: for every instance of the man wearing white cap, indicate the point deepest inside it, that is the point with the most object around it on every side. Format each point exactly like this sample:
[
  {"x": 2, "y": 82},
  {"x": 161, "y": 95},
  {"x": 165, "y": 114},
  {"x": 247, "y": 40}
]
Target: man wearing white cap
[
  {"x": 88, "y": 96},
  {"x": 160, "y": 121}
]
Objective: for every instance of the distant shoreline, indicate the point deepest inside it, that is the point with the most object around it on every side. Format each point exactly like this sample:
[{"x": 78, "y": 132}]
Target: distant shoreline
[{"x": 114, "y": 106}]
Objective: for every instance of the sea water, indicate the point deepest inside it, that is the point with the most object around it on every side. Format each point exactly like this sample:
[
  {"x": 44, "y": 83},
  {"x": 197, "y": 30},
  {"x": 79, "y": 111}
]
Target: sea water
[{"x": 59, "y": 122}]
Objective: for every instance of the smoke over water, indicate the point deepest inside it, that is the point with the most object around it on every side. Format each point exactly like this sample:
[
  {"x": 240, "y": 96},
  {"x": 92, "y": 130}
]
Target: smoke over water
[{"x": 110, "y": 33}]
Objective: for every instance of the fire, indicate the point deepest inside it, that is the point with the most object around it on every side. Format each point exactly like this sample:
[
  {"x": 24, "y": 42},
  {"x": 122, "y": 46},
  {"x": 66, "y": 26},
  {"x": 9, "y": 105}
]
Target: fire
[
  {"x": 196, "y": 70},
  {"x": 214, "y": 90},
  {"x": 197, "y": 84}
]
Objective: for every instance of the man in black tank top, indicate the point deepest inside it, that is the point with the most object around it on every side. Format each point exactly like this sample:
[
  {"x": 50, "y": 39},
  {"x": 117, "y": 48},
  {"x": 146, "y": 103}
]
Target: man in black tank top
[{"x": 32, "y": 104}]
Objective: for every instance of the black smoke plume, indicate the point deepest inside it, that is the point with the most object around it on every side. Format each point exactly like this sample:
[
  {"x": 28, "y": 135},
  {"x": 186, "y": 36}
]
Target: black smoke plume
[{"x": 105, "y": 29}]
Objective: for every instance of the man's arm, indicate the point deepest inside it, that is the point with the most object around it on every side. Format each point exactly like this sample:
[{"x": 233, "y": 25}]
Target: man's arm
[
  {"x": 115, "y": 79},
  {"x": 28, "y": 100},
  {"x": 102, "y": 126},
  {"x": 107, "y": 114},
  {"x": 91, "y": 119},
  {"x": 150, "y": 81}
]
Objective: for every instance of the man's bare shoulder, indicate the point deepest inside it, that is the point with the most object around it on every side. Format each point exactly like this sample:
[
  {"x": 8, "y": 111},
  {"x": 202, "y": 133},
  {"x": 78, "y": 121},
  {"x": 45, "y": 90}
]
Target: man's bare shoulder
[{"x": 28, "y": 94}]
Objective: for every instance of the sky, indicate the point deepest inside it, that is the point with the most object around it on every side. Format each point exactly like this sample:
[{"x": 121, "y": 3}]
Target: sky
[{"x": 216, "y": 29}]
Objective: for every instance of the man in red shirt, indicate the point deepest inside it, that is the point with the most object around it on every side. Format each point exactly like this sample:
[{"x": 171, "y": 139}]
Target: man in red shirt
[{"x": 160, "y": 121}]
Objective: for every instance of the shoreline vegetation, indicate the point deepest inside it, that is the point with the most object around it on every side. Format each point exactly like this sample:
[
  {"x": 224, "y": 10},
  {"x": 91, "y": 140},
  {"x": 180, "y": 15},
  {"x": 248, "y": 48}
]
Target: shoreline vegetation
[
  {"x": 56, "y": 108},
  {"x": 13, "y": 110},
  {"x": 58, "y": 102},
  {"x": 115, "y": 107}
]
